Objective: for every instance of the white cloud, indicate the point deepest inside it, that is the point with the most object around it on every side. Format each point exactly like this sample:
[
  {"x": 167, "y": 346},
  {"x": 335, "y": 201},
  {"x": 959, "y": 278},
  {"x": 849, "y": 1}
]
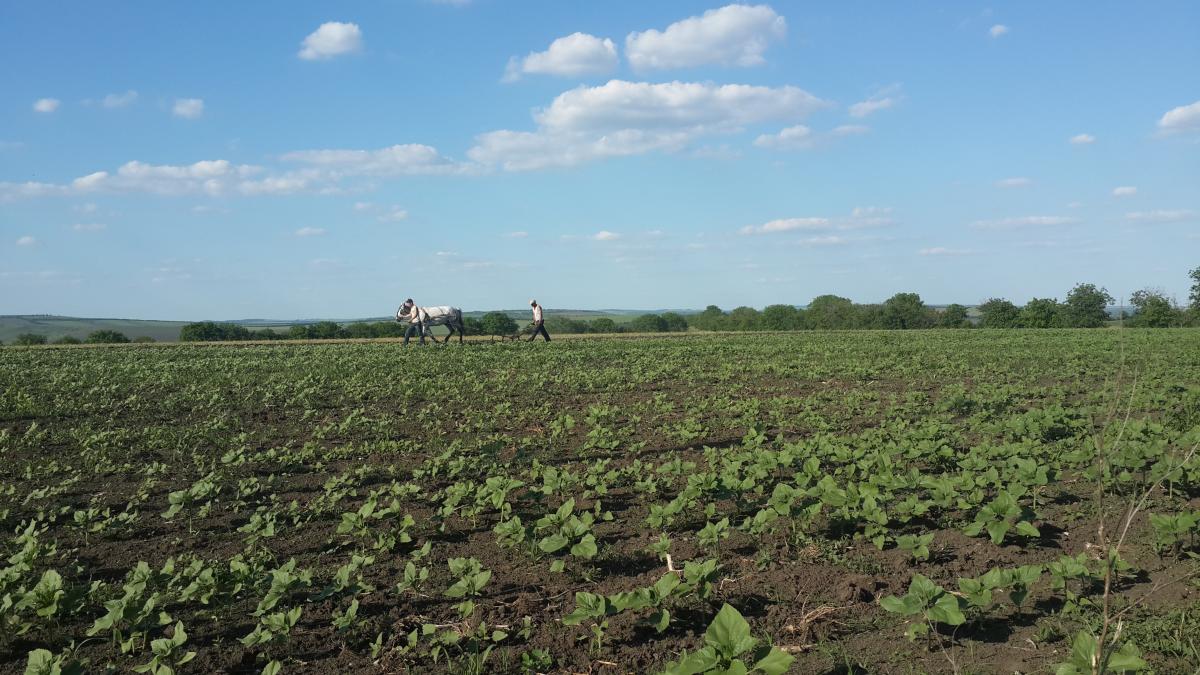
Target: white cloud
[
  {"x": 605, "y": 235},
  {"x": 575, "y": 55},
  {"x": 787, "y": 225},
  {"x": 519, "y": 234},
  {"x": 1074, "y": 205},
  {"x": 1082, "y": 139},
  {"x": 792, "y": 138},
  {"x": 46, "y": 105},
  {"x": 188, "y": 108},
  {"x": 1019, "y": 181},
  {"x": 881, "y": 100},
  {"x": 26, "y": 241},
  {"x": 363, "y": 206},
  {"x": 310, "y": 231},
  {"x": 393, "y": 215},
  {"x": 1124, "y": 191},
  {"x": 850, "y": 130},
  {"x": 88, "y": 227},
  {"x": 1181, "y": 119},
  {"x": 1161, "y": 216},
  {"x": 1023, "y": 221},
  {"x": 628, "y": 118},
  {"x": 944, "y": 251},
  {"x": 397, "y": 160},
  {"x": 998, "y": 30},
  {"x": 734, "y": 35},
  {"x": 119, "y": 100},
  {"x": 331, "y": 39},
  {"x": 868, "y": 216}
]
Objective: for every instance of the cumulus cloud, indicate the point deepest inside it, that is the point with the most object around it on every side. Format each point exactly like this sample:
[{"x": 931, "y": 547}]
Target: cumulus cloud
[
  {"x": 310, "y": 231},
  {"x": 397, "y": 160},
  {"x": 1181, "y": 119},
  {"x": 1024, "y": 221},
  {"x": 188, "y": 108},
  {"x": 628, "y": 118},
  {"x": 119, "y": 100},
  {"x": 1082, "y": 139},
  {"x": 46, "y": 105},
  {"x": 1018, "y": 181},
  {"x": 861, "y": 217},
  {"x": 26, "y": 241},
  {"x": 798, "y": 137},
  {"x": 519, "y": 234},
  {"x": 331, "y": 39},
  {"x": 1124, "y": 191},
  {"x": 88, "y": 227},
  {"x": 787, "y": 225},
  {"x": 575, "y": 55},
  {"x": 850, "y": 130},
  {"x": 734, "y": 35},
  {"x": 605, "y": 235},
  {"x": 881, "y": 100},
  {"x": 998, "y": 30},
  {"x": 1161, "y": 216}
]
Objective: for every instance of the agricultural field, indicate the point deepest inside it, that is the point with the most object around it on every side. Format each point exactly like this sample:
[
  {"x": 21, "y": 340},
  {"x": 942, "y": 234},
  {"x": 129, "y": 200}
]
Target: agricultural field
[{"x": 826, "y": 502}]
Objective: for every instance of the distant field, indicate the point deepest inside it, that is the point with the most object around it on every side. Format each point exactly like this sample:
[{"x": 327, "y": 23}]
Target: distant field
[{"x": 54, "y": 327}]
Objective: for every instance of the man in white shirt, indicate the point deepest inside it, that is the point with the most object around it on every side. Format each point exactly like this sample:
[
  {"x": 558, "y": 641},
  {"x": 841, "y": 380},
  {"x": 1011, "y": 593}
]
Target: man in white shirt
[
  {"x": 416, "y": 320},
  {"x": 539, "y": 325}
]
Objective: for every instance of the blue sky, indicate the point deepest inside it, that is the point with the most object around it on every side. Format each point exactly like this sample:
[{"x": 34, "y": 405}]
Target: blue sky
[{"x": 300, "y": 159}]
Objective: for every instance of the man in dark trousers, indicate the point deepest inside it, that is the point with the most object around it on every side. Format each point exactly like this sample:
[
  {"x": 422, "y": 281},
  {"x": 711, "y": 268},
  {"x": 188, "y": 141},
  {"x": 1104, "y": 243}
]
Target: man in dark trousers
[
  {"x": 415, "y": 320},
  {"x": 539, "y": 325}
]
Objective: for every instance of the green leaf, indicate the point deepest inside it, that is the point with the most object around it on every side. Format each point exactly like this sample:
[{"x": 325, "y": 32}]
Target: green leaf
[
  {"x": 996, "y": 530},
  {"x": 697, "y": 662},
  {"x": 553, "y": 543},
  {"x": 904, "y": 606},
  {"x": 775, "y": 662},
  {"x": 272, "y": 668},
  {"x": 1026, "y": 528},
  {"x": 946, "y": 611},
  {"x": 586, "y": 548},
  {"x": 660, "y": 620},
  {"x": 729, "y": 633},
  {"x": 1127, "y": 659}
]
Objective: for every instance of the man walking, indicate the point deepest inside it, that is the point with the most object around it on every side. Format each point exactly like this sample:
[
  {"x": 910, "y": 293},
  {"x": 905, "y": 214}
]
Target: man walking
[
  {"x": 416, "y": 320},
  {"x": 539, "y": 325}
]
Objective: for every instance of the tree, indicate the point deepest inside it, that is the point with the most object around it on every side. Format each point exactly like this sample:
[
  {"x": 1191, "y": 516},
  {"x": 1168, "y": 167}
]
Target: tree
[
  {"x": 498, "y": 323},
  {"x": 472, "y": 326},
  {"x": 675, "y": 322},
  {"x": 953, "y": 316},
  {"x": 30, "y": 339},
  {"x": 68, "y": 340},
  {"x": 144, "y": 339},
  {"x": 1154, "y": 310},
  {"x": 648, "y": 323},
  {"x": 210, "y": 331},
  {"x": 326, "y": 330},
  {"x": 1041, "y": 313},
  {"x": 712, "y": 318},
  {"x": 744, "y": 318},
  {"x": 1086, "y": 307},
  {"x": 830, "y": 312},
  {"x": 106, "y": 337},
  {"x": 782, "y": 317},
  {"x": 1194, "y": 296},
  {"x": 603, "y": 325},
  {"x": 999, "y": 313},
  {"x": 905, "y": 310}
]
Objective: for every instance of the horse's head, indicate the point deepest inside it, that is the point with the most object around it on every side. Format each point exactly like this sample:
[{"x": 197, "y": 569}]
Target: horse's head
[{"x": 405, "y": 310}]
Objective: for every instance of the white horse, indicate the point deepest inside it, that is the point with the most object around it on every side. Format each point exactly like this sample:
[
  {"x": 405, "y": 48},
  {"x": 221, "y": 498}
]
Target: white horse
[{"x": 450, "y": 317}]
